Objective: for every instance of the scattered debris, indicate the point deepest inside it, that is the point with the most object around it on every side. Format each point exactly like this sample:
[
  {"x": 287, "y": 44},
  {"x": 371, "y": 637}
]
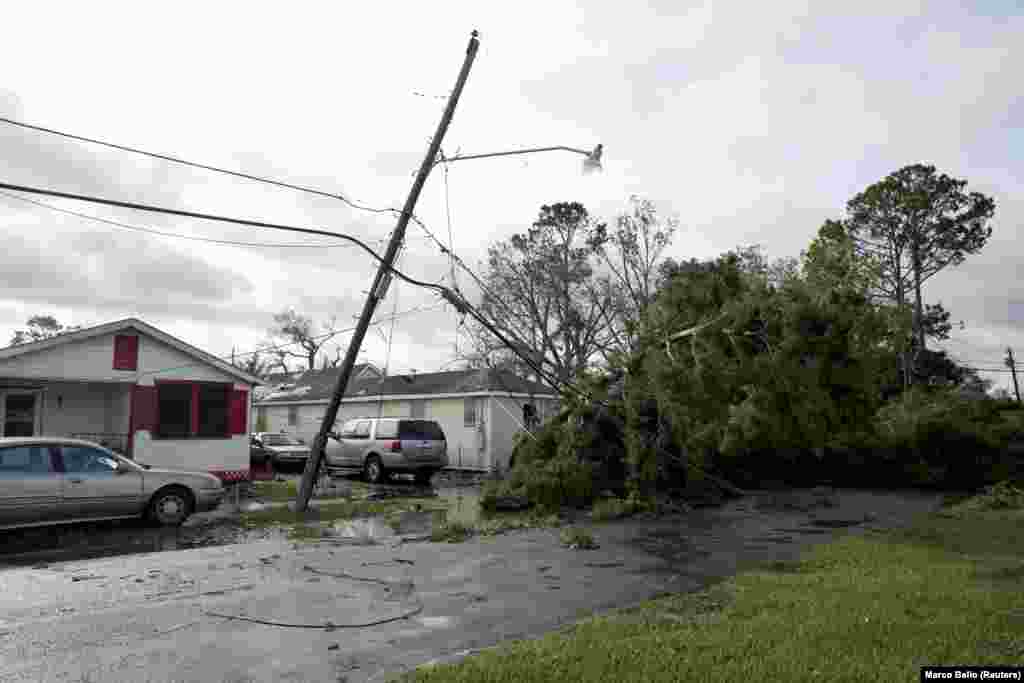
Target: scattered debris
[
  {"x": 511, "y": 503},
  {"x": 87, "y": 577},
  {"x": 335, "y": 646}
]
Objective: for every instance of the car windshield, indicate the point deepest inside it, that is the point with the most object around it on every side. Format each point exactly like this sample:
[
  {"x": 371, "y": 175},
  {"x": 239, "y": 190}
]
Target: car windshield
[
  {"x": 281, "y": 440},
  {"x": 420, "y": 430}
]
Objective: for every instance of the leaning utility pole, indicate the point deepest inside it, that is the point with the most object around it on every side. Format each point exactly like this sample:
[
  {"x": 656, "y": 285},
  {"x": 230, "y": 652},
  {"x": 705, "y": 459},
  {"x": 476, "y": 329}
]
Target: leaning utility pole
[
  {"x": 380, "y": 285},
  {"x": 1013, "y": 370}
]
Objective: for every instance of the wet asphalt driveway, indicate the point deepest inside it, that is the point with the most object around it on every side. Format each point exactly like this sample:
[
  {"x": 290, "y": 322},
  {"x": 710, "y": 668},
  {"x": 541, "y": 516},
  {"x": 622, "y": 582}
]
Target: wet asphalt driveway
[
  {"x": 94, "y": 540},
  {"x": 359, "y": 607}
]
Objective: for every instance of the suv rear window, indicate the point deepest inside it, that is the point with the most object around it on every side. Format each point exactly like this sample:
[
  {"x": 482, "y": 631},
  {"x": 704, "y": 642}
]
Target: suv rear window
[
  {"x": 387, "y": 429},
  {"x": 420, "y": 430}
]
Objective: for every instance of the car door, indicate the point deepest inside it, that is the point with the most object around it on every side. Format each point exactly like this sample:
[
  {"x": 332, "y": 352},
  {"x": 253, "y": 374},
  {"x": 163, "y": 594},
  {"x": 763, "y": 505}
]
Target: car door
[
  {"x": 335, "y": 448},
  {"x": 95, "y": 486},
  {"x": 355, "y": 445},
  {"x": 30, "y": 485}
]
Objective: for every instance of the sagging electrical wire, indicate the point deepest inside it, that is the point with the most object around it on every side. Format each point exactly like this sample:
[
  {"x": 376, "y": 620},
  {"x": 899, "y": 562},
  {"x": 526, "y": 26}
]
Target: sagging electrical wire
[
  {"x": 223, "y": 219},
  {"x": 269, "y": 348},
  {"x": 206, "y": 167},
  {"x": 137, "y": 228},
  {"x": 452, "y": 297}
]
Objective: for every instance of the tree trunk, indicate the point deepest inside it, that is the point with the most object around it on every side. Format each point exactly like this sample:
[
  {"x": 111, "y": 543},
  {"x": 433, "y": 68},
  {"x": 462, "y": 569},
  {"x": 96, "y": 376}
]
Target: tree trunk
[
  {"x": 918, "y": 308},
  {"x": 904, "y": 353}
]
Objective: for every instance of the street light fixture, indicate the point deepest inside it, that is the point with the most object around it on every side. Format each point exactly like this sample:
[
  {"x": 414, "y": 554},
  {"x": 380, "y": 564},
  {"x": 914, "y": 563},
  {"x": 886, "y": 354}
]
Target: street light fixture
[
  {"x": 591, "y": 162},
  {"x": 387, "y": 261}
]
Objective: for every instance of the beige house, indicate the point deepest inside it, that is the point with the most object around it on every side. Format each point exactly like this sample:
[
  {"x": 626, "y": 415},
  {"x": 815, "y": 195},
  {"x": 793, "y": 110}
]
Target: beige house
[
  {"x": 481, "y": 411},
  {"x": 132, "y": 388}
]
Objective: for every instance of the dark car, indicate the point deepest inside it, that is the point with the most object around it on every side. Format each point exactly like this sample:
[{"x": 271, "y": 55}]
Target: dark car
[{"x": 279, "y": 448}]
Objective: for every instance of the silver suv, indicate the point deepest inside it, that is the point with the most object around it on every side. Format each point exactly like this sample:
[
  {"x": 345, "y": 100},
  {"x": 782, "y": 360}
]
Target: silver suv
[{"x": 379, "y": 446}]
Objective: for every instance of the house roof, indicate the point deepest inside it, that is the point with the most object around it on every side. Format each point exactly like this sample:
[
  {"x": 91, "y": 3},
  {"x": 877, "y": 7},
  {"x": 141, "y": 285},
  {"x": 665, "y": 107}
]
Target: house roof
[
  {"x": 317, "y": 385},
  {"x": 126, "y": 324},
  {"x": 276, "y": 382},
  {"x": 281, "y": 377}
]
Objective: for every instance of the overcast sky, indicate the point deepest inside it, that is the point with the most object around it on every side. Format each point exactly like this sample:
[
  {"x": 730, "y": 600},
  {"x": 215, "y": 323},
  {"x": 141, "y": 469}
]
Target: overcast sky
[{"x": 751, "y": 122}]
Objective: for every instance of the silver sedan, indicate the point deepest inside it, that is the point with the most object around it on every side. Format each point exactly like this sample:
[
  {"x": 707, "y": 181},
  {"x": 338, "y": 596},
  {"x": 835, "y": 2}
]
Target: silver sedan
[{"x": 53, "y": 480}]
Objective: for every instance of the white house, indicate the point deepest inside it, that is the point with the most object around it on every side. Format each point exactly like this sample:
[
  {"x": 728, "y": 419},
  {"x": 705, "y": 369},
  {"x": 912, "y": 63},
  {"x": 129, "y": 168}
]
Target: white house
[
  {"x": 481, "y": 411},
  {"x": 135, "y": 389}
]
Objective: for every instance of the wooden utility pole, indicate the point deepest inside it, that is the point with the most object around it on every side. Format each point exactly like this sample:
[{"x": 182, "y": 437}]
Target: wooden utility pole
[
  {"x": 1013, "y": 371},
  {"x": 380, "y": 284}
]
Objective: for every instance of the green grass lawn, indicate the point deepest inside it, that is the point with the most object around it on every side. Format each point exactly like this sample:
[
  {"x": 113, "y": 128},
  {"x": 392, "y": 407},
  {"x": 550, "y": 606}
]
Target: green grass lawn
[
  {"x": 276, "y": 491},
  {"x": 330, "y": 512},
  {"x": 876, "y": 607},
  {"x": 286, "y": 491}
]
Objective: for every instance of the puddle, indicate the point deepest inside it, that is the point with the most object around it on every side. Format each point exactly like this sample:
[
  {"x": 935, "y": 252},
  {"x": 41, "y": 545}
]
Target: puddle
[
  {"x": 366, "y": 530},
  {"x": 93, "y": 540}
]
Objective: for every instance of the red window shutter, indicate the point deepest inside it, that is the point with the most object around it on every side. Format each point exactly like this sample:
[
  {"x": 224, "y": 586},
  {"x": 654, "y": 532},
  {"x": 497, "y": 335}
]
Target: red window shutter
[
  {"x": 126, "y": 352},
  {"x": 239, "y": 411},
  {"x": 194, "y": 430},
  {"x": 144, "y": 408}
]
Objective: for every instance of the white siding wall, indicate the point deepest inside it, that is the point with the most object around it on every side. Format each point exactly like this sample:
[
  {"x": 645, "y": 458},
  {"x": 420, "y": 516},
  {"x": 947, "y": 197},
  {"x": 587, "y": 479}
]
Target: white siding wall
[
  {"x": 194, "y": 454},
  {"x": 466, "y": 445},
  {"x": 94, "y": 359},
  {"x": 159, "y": 361},
  {"x": 309, "y": 416},
  {"x": 505, "y": 427}
]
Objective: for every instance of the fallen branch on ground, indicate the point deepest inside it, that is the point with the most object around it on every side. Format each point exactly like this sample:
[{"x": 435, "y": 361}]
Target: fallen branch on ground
[
  {"x": 353, "y": 577},
  {"x": 329, "y": 626}
]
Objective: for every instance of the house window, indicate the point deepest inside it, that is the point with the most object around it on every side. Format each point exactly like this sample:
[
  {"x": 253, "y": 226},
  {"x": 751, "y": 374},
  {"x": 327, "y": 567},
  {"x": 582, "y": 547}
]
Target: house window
[
  {"x": 469, "y": 412},
  {"x": 213, "y": 410},
  {"x": 193, "y": 409},
  {"x": 293, "y": 415},
  {"x": 174, "y": 408}
]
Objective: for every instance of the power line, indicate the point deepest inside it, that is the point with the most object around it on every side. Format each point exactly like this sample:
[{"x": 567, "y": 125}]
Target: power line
[
  {"x": 451, "y": 296},
  {"x": 151, "y": 231},
  {"x": 456, "y": 299},
  {"x": 451, "y": 249},
  {"x": 330, "y": 333},
  {"x": 216, "y": 169},
  {"x": 223, "y": 219},
  {"x": 207, "y": 167}
]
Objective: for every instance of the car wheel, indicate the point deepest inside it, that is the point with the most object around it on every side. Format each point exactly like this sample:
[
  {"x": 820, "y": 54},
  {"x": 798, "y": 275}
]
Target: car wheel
[
  {"x": 423, "y": 477},
  {"x": 171, "y": 506},
  {"x": 373, "y": 470}
]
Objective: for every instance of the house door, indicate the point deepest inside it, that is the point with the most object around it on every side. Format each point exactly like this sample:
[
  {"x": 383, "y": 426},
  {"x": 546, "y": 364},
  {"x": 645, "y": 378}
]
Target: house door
[{"x": 20, "y": 412}]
